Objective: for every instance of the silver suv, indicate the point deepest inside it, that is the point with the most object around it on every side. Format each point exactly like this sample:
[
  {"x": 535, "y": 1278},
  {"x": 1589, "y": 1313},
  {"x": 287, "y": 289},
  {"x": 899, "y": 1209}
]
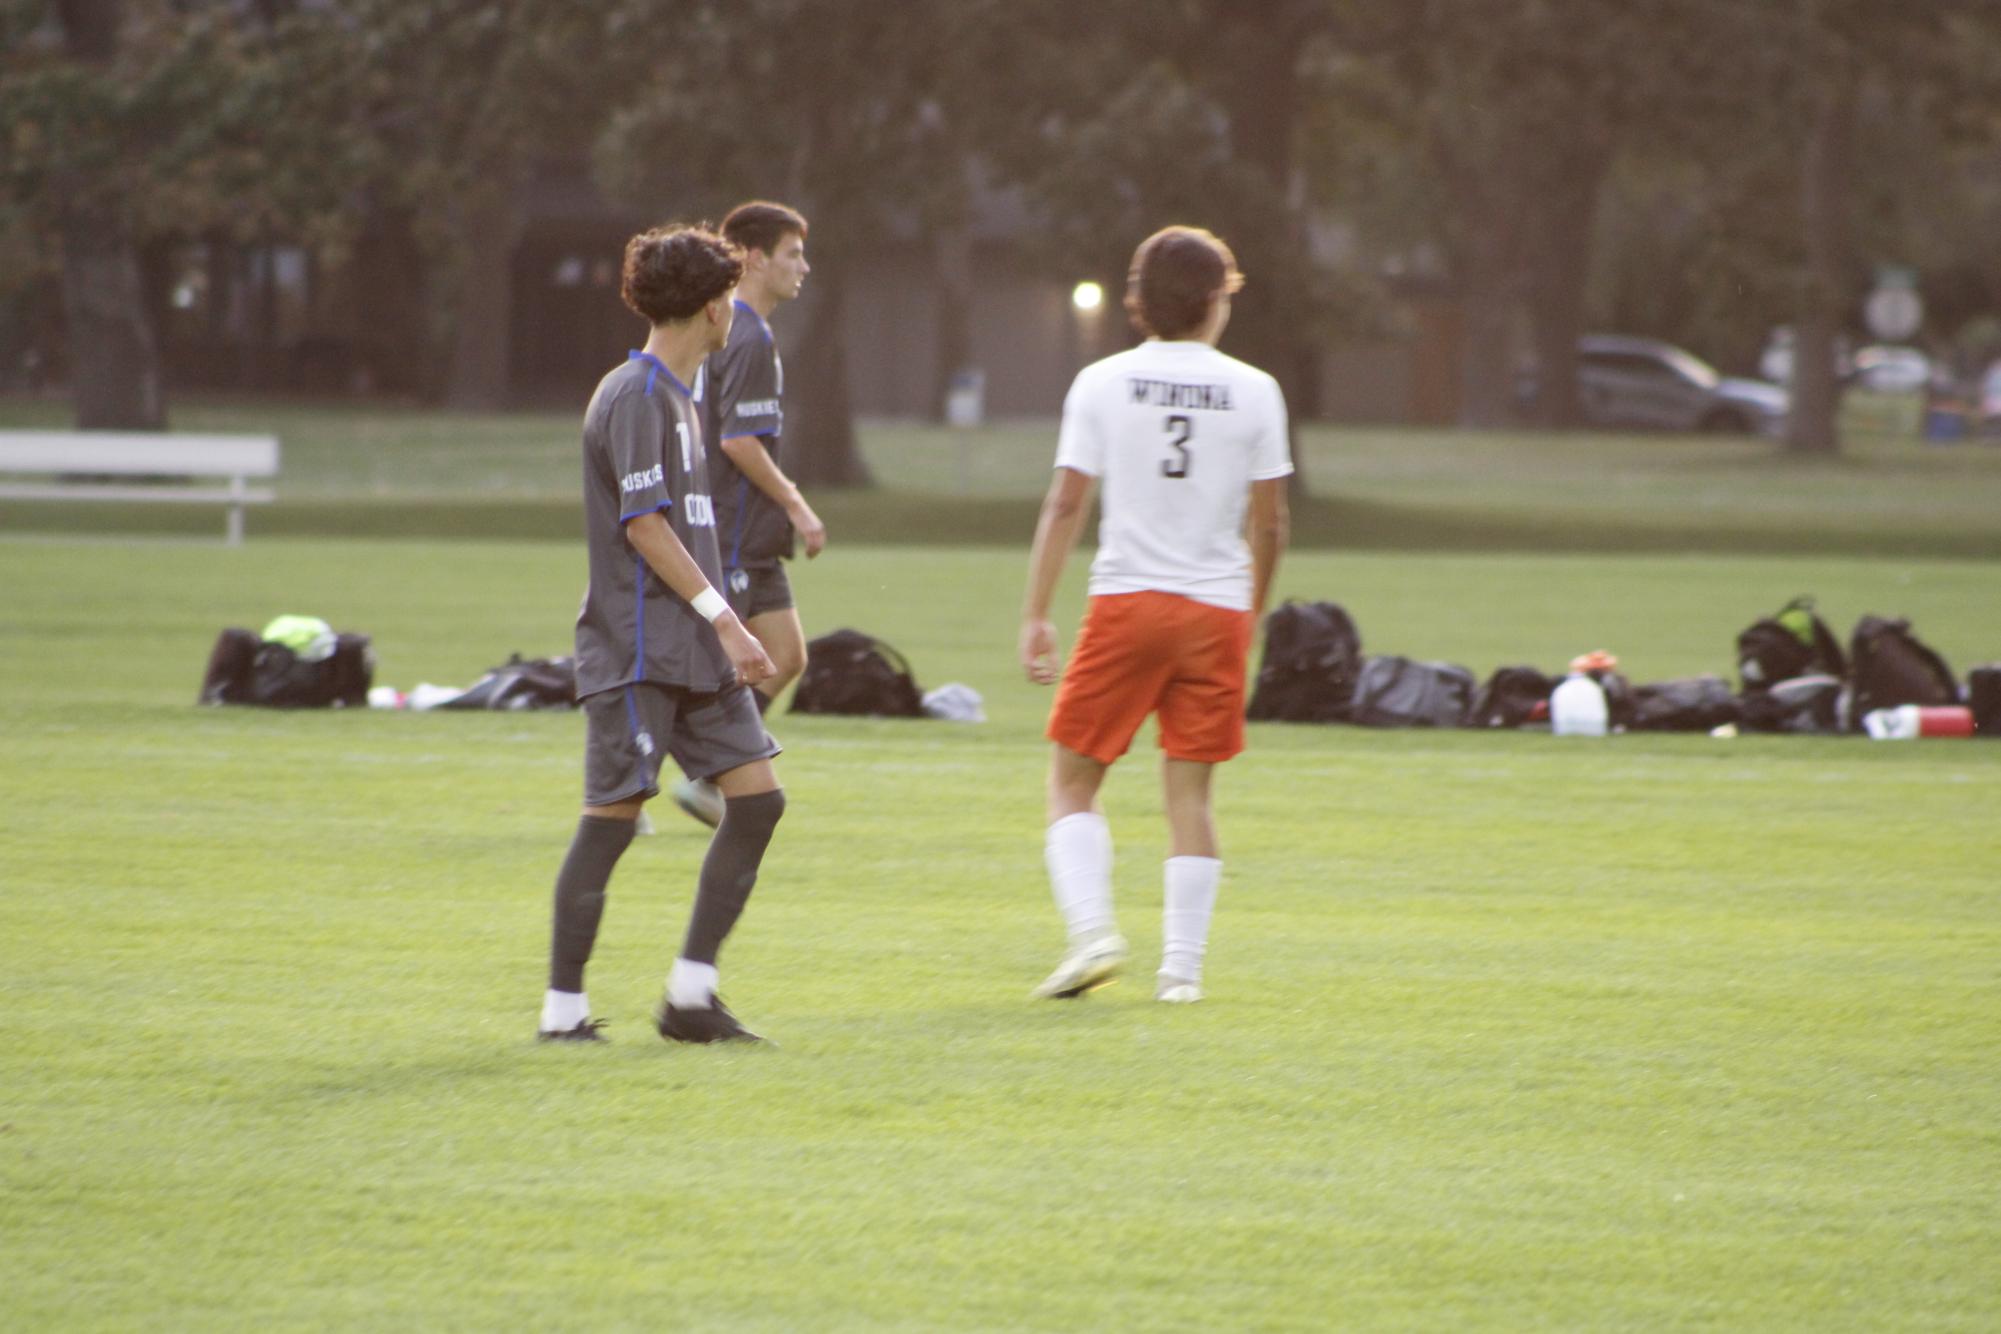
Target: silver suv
[{"x": 1646, "y": 384}]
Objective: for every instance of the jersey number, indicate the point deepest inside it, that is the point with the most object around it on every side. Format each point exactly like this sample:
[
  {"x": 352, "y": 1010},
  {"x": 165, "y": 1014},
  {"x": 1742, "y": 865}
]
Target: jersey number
[
  {"x": 1179, "y": 429},
  {"x": 687, "y": 447}
]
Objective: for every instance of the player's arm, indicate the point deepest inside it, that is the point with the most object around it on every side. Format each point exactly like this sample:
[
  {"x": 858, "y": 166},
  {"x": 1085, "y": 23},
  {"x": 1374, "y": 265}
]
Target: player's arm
[
  {"x": 754, "y": 461},
  {"x": 653, "y": 537},
  {"x": 1056, "y": 529},
  {"x": 1270, "y": 528}
]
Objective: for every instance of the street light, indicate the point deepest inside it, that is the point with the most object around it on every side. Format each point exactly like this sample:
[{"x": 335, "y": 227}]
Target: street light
[{"x": 1087, "y": 296}]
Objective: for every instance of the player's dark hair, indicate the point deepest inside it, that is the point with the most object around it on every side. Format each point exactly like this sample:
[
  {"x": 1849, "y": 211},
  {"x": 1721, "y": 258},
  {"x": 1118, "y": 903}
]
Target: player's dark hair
[
  {"x": 672, "y": 272},
  {"x": 1176, "y": 273},
  {"x": 761, "y": 225}
]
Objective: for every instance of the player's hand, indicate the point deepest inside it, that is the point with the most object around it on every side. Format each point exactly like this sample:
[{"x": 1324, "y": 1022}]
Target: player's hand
[
  {"x": 1039, "y": 657},
  {"x": 752, "y": 663},
  {"x": 811, "y": 531}
]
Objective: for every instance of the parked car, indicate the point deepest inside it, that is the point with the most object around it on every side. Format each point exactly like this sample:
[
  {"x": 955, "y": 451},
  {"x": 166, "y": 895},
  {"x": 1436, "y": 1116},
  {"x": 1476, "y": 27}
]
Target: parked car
[
  {"x": 1892, "y": 370},
  {"x": 1643, "y": 383}
]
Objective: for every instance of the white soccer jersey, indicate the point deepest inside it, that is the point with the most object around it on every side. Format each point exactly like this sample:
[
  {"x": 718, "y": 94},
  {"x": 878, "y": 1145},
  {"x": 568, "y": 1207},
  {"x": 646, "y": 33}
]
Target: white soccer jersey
[{"x": 1176, "y": 432}]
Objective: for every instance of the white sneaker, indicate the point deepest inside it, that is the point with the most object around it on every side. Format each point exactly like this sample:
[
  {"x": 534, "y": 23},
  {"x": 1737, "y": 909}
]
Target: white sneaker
[
  {"x": 1089, "y": 965},
  {"x": 701, "y": 799},
  {"x": 643, "y": 824},
  {"x": 1176, "y": 990}
]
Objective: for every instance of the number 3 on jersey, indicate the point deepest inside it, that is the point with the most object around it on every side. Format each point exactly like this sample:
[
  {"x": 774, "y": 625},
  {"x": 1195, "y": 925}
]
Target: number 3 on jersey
[{"x": 1179, "y": 428}]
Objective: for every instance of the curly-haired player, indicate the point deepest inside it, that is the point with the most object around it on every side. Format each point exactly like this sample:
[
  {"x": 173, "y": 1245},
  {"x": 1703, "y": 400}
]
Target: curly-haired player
[{"x": 664, "y": 667}]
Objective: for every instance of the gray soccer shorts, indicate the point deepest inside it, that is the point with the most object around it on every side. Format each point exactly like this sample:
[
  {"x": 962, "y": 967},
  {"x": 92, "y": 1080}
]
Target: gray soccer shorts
[
  {"x": 631, "y": 730},
  {"x": 756, "y": 589}
]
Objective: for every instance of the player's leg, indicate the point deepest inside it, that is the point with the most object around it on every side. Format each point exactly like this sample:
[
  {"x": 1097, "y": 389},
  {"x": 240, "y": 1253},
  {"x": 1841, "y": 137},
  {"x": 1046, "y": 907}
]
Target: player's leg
[
  {"x": 1078, "y": 843},
  {"x": 762, "y": 599},
  {"x": 1077, "y": 849},
  {"x": 1201, "y": 725},
  {"x": 722, "y": 735},
  {"x": 784, "y": 638},
  {"x": 1192, "y": 874},
  {"x": 1109, "y": 687},
  {"x": 621, "y": 769}
]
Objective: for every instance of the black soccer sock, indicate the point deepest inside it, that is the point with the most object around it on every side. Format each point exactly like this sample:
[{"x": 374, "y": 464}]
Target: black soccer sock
[
  {"x": 729, "y": 871},
  {"x": 580, "y": 885}
]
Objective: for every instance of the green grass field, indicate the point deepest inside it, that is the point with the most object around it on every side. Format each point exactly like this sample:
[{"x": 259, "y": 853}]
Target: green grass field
[
  {"x": 353, "y": 470},
  {"x": 1504, "y": 1031}
]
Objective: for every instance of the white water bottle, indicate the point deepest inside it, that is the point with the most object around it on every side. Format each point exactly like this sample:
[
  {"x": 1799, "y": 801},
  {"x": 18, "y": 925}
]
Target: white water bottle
[{"x": 1577, "y": 706}]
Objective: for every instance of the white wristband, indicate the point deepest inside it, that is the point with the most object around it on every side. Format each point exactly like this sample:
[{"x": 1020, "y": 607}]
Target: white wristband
[{"x": 709, "y": 604}]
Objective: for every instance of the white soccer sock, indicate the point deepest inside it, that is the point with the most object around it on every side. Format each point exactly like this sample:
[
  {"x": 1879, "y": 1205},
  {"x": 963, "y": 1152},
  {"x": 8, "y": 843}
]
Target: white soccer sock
[
  {"x": 563, "y": 1010},
  {"x": 1184, "y": 917},
  {"x": 691, "y": 985},
  {"x": 1078, "y": 852}
]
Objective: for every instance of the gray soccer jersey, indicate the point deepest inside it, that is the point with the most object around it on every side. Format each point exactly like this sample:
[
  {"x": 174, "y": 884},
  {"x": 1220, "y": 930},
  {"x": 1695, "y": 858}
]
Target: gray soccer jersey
[
  {"x": 744, "y": 396},
  {"x": 642, "y": 454}
]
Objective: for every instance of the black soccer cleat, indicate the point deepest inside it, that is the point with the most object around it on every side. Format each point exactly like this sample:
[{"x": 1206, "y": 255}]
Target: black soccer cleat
[
  {"x": 585, "y": 1031},
  {"x": 706, "y": 1023}
]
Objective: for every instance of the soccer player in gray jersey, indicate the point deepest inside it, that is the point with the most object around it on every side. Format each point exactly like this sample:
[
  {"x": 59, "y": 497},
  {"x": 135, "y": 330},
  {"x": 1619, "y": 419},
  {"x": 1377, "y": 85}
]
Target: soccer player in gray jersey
[
  {"x": 663, "y": 665},
  {"x": 758, "y": 508}
]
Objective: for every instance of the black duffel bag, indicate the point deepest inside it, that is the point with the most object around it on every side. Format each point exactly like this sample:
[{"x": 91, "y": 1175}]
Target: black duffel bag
[
  {"x": 1692, "y": 704},
  {"x": 1402, "y": 692}
]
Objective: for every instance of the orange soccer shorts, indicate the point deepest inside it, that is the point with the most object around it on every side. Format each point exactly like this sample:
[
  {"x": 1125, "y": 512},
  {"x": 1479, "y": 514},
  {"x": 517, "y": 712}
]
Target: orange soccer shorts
[{"x": 1142, "y": 653}]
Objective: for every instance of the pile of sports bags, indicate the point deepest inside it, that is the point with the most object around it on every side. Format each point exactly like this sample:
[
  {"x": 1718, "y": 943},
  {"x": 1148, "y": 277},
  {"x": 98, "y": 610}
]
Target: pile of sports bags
[{"x": 1794, "y": 676}]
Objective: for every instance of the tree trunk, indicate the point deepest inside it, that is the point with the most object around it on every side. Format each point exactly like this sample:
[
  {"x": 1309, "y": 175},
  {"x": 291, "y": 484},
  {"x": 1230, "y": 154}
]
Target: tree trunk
[
  {"x": 1811, "y": 425},
  {"x": 1488, "y": 187},
  {"x": 114, "y": 356},
  {"x": 1489, "y": 268},
  {"x": 1559, "y": 267},
  {"x": 390, "y": 273},
  {"x": 1271, "y": 326},
  {"x": 483, "y": 310},
  {"x": 952, "y": 268},
  {"x": 820, "y": 447}
]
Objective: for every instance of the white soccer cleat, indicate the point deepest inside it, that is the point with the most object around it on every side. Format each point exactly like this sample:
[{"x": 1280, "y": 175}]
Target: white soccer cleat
[
  {"x": 1089, "y": 965},
  {"x": 642, "y": 824},
  {"x": 701, "y": 799},
  {"x": 1176, "y": 990}
]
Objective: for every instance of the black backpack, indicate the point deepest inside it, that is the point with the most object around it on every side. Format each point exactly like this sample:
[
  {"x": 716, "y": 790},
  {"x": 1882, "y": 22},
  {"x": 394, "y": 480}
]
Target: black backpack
[
  {"x": 1793, "y": 641},
  {"x": 243, "y": 669},
  {"x": 1511, "y": 697},
  {"x": 1890, "y": 666},
  {"x": 1313, "y": 655},
  {"x": 1400, "y": 692},
  {"x": 533, "y": 683},
  {"x": 227, "y": 678},
  {"x": 1693, "y": 704},
  {"x": 853, "y": 673}
]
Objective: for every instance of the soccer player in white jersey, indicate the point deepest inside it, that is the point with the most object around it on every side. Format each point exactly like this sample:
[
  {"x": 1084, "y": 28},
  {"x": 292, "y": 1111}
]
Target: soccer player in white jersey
[{"x": 1185, "y": 442}]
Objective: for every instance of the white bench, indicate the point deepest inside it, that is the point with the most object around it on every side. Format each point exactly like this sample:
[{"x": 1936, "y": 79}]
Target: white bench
[{"x": 67, "y": 462}]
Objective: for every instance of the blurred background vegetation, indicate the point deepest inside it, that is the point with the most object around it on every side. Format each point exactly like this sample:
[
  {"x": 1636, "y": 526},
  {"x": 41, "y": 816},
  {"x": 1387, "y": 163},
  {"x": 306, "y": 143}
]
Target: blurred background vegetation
[{"x": 422, "y": 201}]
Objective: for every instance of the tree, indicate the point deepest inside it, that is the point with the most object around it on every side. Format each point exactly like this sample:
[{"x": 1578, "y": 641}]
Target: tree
[
  {"x": 62, "y": 94},
  {"x": 1118, "y": 119},
  {"x": 1848, "y": 54},
  {"x": 469, "y": 99},
  {"x": 136, "y": 122},
  {"x": 832, "y": 108},
  {"x": 1520, "y": 111}
]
